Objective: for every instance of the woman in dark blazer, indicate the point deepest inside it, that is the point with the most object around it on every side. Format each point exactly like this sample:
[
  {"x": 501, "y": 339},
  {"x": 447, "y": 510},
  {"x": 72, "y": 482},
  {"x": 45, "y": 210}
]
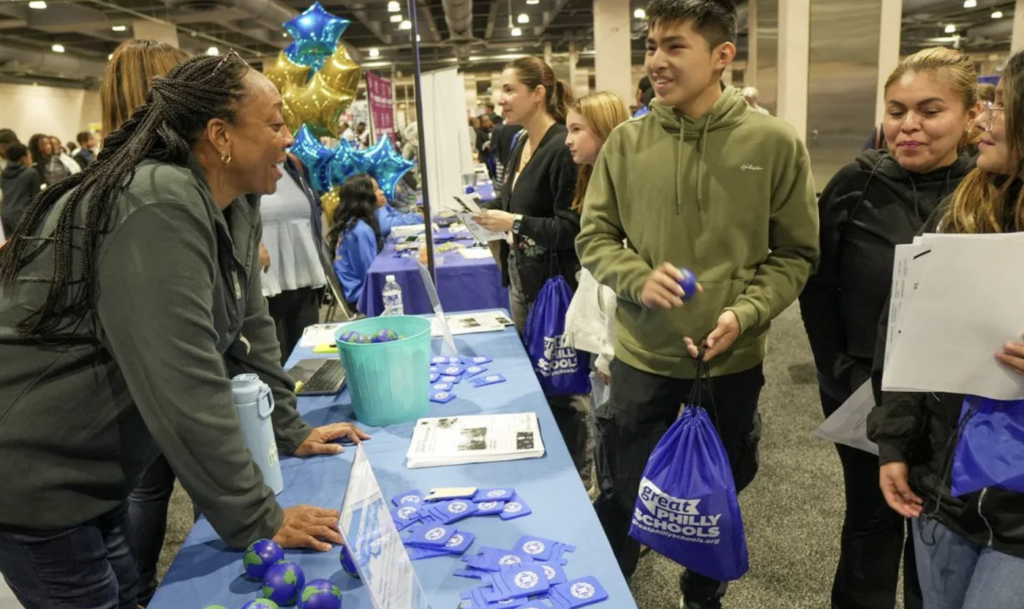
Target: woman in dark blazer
[{"x": 536, "y": 212}]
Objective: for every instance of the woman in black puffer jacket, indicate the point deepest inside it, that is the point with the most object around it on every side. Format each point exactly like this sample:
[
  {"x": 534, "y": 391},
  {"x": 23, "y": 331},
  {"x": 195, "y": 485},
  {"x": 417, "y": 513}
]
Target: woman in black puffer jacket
[{"x": 970, "y": 549}]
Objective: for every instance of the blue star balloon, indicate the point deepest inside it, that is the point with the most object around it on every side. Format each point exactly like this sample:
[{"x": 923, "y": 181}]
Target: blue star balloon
[
  {"x": 388, "y": 166},
  {"x": 315, "y": 157},
  {"x": 316, "y": 35},
  {"x": 347, "y": 162}
]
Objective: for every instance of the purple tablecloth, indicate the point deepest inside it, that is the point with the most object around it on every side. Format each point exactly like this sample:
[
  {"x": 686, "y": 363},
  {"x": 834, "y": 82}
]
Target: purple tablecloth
[{"x": 463, "y": 285}]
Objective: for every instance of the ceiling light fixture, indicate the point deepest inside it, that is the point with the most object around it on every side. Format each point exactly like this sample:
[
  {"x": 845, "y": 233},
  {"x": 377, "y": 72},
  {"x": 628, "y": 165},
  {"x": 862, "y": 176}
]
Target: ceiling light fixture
[
  {"x": 58, "y": 48},
  {"x": 396, "y": 18},
  {"x": 405, "y": 25},
  {"x": 37, "y": 4},
  {"x": 970, "y": 3},
  {"x": 533, "y": 2},
  {"x": 950, "y": 29},
  {"x": 119, "y": 28},
  {"x": 374, "y": 53},
  {"x": 394, "y": 7},
  {"x": 213, "y": 51},
  {"x": 640, "y": 14},
  {"x": 997, "y": 15},
  {"x": 523, "y": 18},
  {"x": 109, "y": 57},
  {"x": 517, "y": 32}
]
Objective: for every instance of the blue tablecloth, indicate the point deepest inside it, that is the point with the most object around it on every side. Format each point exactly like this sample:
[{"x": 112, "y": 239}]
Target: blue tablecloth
[
  {"x": 462, "y": 284},
  {"x": 206, "y": 572}
]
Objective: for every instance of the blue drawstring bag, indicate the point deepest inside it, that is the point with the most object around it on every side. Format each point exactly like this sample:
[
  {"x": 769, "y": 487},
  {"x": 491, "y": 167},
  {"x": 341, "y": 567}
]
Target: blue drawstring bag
[
  {"x": 557, "y": 365},
  {"x": 990, "y": 446},
  {"x": 686, "y": 508}
]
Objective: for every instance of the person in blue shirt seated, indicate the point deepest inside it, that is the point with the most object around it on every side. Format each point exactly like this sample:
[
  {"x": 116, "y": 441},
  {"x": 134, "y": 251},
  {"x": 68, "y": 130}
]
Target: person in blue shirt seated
[
  {"x": 389, "y": 217},
  {"x": 356, "y": 236}
]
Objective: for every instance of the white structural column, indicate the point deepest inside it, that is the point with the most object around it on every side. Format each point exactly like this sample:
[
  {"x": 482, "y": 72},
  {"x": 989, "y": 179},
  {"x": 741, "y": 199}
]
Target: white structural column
[
  {"x": 750, "y": 72},
  {"x": 889, "y": 49},
  {"x": 161, "y": 32},
  {"x": 794, "y": 57},
  {"x": 1017, "y": 43},
  {"x": 612, "y": 47}
]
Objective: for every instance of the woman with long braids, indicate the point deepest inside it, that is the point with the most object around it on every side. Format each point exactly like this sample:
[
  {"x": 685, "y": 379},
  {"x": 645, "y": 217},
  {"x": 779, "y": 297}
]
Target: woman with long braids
[{"x": 129, "y": 296}]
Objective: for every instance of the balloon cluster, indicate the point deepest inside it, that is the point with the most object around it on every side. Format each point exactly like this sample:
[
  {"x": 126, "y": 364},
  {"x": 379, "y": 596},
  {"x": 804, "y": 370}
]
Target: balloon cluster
[
  {"x": 330, "y": 168},
  {"x": 315, "y": 74}
]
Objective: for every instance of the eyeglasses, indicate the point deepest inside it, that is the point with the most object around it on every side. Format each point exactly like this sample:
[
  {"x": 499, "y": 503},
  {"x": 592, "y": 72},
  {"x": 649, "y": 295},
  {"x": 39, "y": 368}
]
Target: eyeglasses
[{"x": 988, "y": 114}]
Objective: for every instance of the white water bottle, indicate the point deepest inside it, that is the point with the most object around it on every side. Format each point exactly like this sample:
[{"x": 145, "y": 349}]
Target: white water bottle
[{"x": 392, "y": 297}]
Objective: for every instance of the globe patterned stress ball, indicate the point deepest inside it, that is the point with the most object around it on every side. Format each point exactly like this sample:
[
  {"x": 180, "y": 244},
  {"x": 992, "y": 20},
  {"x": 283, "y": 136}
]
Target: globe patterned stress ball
[
  {"x": 347, "y": 564},
  {"x": 283, "y": 582},
  {"x": 260, "y": 556},
  {"x": 320, "y": 594},
  {"x": 261, "y": 603}
]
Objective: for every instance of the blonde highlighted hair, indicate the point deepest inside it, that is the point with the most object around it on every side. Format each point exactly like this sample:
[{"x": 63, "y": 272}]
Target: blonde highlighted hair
[
  {"x": 955, "y": 69},
  {"x": 979, "y": 203},
  {"x": 603, "y": 112},
  {"x": 129, "y": 75}
]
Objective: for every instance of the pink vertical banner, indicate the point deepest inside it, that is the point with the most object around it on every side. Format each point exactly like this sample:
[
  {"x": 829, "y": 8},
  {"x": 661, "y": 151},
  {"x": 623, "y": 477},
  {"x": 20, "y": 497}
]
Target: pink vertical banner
[{"x": 382, "y": 106}]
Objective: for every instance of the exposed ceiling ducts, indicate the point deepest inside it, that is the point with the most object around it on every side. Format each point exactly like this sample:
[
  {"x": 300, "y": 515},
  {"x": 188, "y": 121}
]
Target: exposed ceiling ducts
[
  {"x": 458, "y": 14},
  {"x": 20, "y": 60}
]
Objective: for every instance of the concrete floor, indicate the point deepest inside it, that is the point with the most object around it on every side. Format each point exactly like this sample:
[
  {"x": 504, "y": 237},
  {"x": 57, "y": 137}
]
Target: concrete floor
[{"x": 792, "y": 512}]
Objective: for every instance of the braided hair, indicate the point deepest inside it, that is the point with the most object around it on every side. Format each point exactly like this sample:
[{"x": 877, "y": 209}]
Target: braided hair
[{"x": 165, "y": 128}]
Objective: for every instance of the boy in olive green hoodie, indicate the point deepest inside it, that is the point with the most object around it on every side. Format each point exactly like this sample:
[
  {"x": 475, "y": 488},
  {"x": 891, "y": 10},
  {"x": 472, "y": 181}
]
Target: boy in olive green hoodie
[{"x": 701, "y": 182}]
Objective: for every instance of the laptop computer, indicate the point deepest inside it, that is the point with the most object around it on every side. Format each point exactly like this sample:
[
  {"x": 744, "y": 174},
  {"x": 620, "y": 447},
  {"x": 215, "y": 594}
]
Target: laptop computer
[{"x": 322, "y": 376}]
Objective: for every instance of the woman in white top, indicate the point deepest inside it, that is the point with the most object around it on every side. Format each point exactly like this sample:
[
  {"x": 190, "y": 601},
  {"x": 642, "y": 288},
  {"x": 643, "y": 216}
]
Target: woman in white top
[
  {"x": 590, "y": 321},
  {"x": 294, "y": 280}
]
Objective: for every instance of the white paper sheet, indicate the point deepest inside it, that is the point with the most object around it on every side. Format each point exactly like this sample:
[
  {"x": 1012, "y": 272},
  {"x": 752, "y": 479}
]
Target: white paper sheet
[
  {"x": 475, "y": 253},
  {"x": 375, "y": 544},
  {"x": 849, "y": 424},
  {"x": 466, "y": 208},
  {"x": 965, "y": 307},
  {"x": 320, "y": 334},
  {"x": 475, "y": 439}
]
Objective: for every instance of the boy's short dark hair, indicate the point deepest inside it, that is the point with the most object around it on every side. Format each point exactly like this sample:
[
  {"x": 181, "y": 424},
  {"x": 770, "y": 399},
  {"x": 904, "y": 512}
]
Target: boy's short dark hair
[
  {"x": 715, "y": 20},
  {"x": 83, "y": 137},
  {"x": 7, "y": 137},
  {"x": 15, "y": 152}
]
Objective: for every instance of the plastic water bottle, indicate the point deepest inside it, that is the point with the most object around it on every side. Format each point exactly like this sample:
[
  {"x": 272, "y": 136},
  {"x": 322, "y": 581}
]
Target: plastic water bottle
[
  {"x": 255, "y": 402},
  {"x": 393, "y": 297}
]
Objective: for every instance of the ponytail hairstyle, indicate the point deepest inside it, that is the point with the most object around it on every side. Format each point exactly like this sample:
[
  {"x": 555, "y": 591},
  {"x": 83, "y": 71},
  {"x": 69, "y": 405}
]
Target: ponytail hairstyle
[
  {"x": 979, "y": 203},
  {"x": 129, "y": 75},
  {"x": 165, "y": 128},
  {"x": 603, "y": 112},
  {"x": 533, "y": 73},
  {"x": 358, "y": 198}
]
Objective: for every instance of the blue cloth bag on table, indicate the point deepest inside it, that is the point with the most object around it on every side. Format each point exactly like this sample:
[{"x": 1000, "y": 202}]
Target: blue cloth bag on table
[
  {"x": 557, "y": 365},
  {"x": 686, "y": 508},
  {"x": 990, "y": 446}
]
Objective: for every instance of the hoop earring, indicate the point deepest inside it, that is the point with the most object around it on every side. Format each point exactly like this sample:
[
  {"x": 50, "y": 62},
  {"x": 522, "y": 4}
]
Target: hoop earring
[{"x": 225, "y": 157}]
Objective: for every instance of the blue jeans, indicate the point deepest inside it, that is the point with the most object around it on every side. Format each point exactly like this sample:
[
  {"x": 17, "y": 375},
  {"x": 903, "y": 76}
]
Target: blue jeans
[
  {"x": 956, "y": 573},
  {"x": 90, "y": 566}
]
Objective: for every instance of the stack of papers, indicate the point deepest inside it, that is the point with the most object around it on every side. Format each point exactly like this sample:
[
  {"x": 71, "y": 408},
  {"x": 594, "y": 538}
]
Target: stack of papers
[
  {"x": 466, "y": 207},
  {"x": 955, "y": 303},
  {"x": 475, "y": 439},
  {"x": 471, "y": 323}
]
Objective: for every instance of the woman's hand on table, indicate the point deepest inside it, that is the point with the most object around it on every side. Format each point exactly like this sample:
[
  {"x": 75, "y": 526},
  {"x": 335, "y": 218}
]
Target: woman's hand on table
[
  {"x": 321, "y": 440},
  {"x": 306, "y": 526},
  {"x": 495, "y": 220},
  {"x": 1012, "y": 356}
]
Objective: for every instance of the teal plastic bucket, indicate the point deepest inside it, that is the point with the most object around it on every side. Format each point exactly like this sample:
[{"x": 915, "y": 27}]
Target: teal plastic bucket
[{"x": 389, "y": 382}]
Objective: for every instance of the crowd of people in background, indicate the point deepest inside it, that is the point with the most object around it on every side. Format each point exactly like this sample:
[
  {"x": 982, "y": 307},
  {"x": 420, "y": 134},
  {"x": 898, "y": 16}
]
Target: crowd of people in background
[{"x": 612, "y": 199}]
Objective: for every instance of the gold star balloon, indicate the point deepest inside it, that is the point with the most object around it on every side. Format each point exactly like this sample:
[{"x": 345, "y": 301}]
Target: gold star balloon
[
  {"x": 330, "y": 201},
  {"x": 289, "y": 93},
  {"x": 340, "y": 72},
  {"x": 318, "y": 106},
  {"x": 284, "y": 72}
]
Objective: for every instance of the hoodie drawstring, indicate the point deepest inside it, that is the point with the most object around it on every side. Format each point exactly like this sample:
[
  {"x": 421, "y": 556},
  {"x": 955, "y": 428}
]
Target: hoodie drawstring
[{"x": 702, "y": 165}]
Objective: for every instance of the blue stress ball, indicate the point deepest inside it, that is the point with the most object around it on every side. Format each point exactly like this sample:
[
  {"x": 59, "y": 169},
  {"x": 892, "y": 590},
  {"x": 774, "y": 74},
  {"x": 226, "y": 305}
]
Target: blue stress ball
[
  {"x": 353, "y": 337},
  {"x": 320, "y": 594},
  {"x": 261, "y": 603},
  {"x": 384, "y": 335},
  {"x": 347, "y": 563},
  {"x": 688, "y": 283},
  {"x": 260, "y": 556},
  {"x": 283, "y": 582}
]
